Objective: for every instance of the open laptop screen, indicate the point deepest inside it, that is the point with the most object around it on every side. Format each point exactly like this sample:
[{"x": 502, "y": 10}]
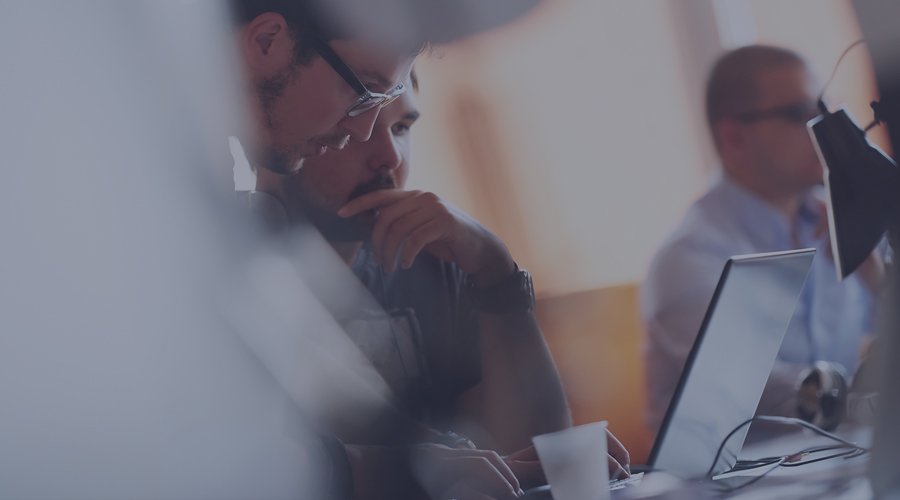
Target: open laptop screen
[{"x": 729, "y": 364}]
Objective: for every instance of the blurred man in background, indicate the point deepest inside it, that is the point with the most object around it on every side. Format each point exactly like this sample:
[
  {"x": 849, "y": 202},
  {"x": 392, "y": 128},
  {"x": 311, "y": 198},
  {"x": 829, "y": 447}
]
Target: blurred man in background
[{"x": 758, "y": 100}]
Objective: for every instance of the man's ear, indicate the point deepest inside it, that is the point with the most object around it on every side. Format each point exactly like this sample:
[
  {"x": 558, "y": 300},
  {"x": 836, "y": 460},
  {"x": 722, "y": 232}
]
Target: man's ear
[
  {"x": 267, "y": 44},
  {"x": 729, "y": 135}
]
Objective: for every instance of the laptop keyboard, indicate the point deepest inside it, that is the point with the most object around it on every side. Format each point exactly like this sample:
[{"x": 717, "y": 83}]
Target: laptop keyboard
[{"x": 543, "y": 492}]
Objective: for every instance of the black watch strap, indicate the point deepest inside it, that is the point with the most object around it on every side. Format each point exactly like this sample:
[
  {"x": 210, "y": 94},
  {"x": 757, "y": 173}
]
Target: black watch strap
[
  {"x": 455, "y": 440},
  {"x": 514, "y": 294}
]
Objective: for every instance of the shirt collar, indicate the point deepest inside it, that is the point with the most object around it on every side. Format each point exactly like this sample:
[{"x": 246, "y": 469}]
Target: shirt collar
[{"x": 764, "y": 223}]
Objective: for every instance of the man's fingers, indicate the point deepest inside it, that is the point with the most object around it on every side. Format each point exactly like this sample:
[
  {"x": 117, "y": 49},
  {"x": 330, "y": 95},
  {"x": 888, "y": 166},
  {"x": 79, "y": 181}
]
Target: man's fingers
[
  {"x": 374, "y": 200},
  {"x": 501, "y": 467},
  {"x": 615, "y": 448},
  {"x": 530, "y": 473},
  {"x": 616, "y": 471},
  {"x": 386, "y": 218},
  {"x": 525, "y": 454},
  {"x": 417, "y": 241},
  {"x": 397, "y": 232},
  {"x": 481, "y": 470}
]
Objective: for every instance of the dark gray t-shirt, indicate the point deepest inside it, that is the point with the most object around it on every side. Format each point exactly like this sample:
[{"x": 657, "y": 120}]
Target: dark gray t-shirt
[{"x": 434, "y": 334}]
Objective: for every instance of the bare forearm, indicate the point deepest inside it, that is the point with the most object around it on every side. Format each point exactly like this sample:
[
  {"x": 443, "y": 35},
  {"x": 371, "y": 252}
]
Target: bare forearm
[{"x": 522, "y": 395}]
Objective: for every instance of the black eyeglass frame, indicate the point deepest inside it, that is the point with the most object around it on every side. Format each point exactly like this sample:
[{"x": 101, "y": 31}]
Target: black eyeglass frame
[
  {"x": 367, "y": 99},
  {"x": 798, "y": 112}
]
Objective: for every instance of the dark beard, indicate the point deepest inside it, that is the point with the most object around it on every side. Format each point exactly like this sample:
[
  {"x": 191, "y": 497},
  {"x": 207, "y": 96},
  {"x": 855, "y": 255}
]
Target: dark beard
[
  {"x": 340, "y": 229},
  {"x": 268, "y": 91},
  {"x": 277, "y": 161},
  {"x": 271, "y": 158}
]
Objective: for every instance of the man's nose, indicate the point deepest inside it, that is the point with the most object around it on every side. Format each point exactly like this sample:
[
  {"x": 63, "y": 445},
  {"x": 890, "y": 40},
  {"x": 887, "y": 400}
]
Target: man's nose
[
  {"x": 384, "y": 154},
  {"x": 359, "y": 128}
]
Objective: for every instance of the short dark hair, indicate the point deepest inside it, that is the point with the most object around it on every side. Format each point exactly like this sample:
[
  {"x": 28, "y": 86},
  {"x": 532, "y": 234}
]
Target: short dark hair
[
  {"x": 732, "y": 86},
  {"x": 303, "y": 17}
]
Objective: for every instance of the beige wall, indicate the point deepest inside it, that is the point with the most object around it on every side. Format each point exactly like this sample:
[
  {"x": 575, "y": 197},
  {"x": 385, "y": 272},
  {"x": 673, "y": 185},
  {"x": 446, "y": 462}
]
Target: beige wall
[
  {"x": 577, "y": 133},
  {"x": 588, "y": 143},
  {"x": 594, "y": 338}
]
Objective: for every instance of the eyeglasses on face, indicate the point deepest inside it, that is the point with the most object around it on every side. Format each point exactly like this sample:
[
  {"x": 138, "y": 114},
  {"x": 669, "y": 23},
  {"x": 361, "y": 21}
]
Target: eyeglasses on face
[
  {"x": 366, "y": 100},
  {"x": 798, "y": 112}
]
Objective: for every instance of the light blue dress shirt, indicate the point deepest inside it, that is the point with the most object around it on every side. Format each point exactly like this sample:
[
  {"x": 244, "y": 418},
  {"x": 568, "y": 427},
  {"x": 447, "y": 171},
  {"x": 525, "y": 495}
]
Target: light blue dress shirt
[{"x": 829, "y": 324}]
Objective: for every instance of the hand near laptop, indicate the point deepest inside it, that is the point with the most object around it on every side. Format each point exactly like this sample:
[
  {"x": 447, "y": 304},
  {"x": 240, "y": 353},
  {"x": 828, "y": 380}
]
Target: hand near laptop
[
  {"x": 464, "y": 473},
  {"x": 525, "y": 464},
  {"x": 473, "y": 474}
]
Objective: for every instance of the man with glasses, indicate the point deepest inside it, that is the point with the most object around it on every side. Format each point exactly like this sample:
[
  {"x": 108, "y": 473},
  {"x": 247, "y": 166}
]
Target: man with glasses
[
  {"x": 758, "y": 100},
  {"x": 450, "y": 290},
  {"x": 312, "y": 87}
]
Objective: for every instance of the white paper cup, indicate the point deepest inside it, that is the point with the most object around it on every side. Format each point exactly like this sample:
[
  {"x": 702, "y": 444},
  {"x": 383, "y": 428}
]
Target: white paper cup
[{"x": 574, "y": 461}]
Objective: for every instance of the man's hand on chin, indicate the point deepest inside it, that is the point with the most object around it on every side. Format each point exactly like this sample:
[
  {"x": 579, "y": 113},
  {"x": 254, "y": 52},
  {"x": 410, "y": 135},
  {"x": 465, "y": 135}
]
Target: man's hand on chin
[{"x": 409, "y": 222}]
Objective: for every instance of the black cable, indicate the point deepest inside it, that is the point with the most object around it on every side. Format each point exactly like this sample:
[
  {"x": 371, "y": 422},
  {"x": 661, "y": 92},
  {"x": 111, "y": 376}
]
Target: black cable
[
  {"x": 820, "y": 102},
  {"x": 880, "y": 116},
  {"x": 836, "y": 65},
  {"x": 752, "y": 464},
  {"x": 809, "y": 426},
  {"x": 848, "y": 452},
  {"x": 712, "y": 467},
  {"x": 784, "y": 421},
  {"x": 781, "y": 462}
]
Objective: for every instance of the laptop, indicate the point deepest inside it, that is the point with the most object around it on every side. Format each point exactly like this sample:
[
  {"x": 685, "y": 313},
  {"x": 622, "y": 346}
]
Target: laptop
[{"x": 729, "y": 364}]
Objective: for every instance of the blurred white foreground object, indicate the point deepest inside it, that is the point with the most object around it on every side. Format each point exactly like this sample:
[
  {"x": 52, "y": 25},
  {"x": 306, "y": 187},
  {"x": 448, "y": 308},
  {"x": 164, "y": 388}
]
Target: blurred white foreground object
[{"x": 145, "y": 351}]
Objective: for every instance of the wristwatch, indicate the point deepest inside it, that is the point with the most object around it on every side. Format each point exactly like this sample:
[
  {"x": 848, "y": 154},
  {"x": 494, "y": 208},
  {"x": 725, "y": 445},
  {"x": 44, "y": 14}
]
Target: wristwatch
[
  {"x": 454, "y": 440},
  {"x": 514, "y": 293}
]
